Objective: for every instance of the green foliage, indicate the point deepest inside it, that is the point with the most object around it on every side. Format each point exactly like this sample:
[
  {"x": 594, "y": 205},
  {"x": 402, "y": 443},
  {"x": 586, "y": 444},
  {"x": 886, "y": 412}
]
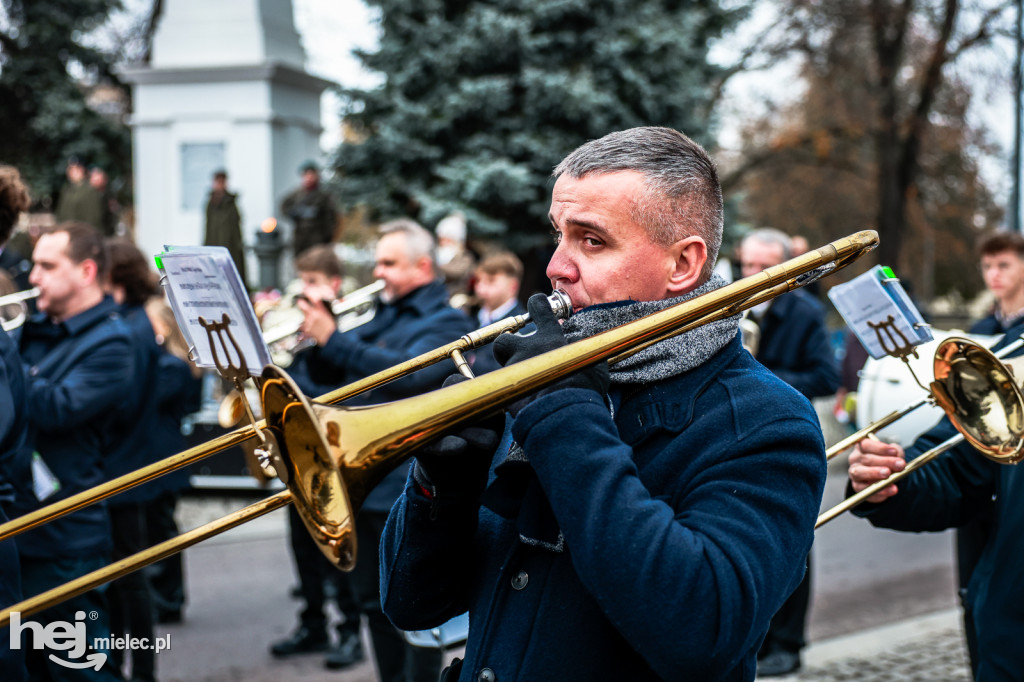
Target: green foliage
[
  {"x": 482, "y": 99},
  {"x": 44, "y": 114}
]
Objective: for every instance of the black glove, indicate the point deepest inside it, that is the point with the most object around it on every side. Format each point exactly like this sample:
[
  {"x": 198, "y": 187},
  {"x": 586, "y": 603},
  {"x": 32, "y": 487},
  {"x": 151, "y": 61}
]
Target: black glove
[
  {"x": 512, "y": 348},
  {"x": 462, "y": 459}
]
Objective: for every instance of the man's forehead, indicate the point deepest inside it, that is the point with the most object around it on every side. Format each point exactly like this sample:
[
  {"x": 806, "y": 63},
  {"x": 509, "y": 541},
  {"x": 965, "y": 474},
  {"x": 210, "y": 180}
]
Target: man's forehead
[
  {"x": 1007, "y": 255},
  {"x": 52, "y": 245}
]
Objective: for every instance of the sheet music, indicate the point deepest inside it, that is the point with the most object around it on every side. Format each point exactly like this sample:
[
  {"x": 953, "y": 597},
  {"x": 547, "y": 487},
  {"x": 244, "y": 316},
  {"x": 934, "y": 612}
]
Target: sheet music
[
  {"x": 202, "y": 281},
  {"x": 872, "y": 298}
]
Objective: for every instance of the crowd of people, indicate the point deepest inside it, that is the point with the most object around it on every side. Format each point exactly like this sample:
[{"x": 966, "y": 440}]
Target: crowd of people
[{"x": 665, "y": 479}]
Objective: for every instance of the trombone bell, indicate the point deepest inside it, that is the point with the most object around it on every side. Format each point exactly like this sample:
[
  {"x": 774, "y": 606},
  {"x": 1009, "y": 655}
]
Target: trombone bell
[
  {"x": 983, "y": 401},
  {"x": 304, "y": 463}
]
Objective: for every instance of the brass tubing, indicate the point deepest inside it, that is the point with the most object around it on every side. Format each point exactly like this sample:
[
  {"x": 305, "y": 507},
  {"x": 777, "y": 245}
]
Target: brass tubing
[
  {"x": 144, "y": 558},
  {"x": 56, "y": 510},
  {"x": 871, "y": 428},
  {"x": 121, "y": 483},
  {"x": 912, "y": 465}
]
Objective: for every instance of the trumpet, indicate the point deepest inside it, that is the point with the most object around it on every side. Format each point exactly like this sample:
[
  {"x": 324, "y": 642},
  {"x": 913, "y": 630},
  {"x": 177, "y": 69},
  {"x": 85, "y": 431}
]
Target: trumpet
[
  {"x": 18, "y": 318},
  {"x": 285, "y": 340},
  {"x": 331, "y": 457}
]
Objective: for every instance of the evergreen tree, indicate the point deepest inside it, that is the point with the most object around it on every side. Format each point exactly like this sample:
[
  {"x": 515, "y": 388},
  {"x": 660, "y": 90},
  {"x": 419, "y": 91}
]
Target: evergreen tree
[
  {"x": 482, "y": 99},
  {"x": 43, "y": 109}
]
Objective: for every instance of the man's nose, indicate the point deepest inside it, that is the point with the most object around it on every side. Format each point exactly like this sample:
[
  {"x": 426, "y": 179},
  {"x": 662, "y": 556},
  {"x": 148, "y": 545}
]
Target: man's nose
[{"x": 562, "y": 266}]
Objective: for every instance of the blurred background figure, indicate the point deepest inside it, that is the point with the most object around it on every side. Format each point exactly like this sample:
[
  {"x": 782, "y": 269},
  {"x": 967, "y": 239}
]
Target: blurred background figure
[
  {"x": 320, "y": 270},
  {"x": 101, "y": 183},
  {"x": 224, "y": 222},
  {"x": 454, "y": 260},
  {"x": 79, "y": 201},
  {"x": 414, "y": 317},
  {"x": 177, "y": 393},
  {"x": 131, "y": 283},
  {"x": 15, "y": 445},
  {"x": 1001, "y": 258},
  {"x": 793, "y": 344},
  {"x": 311, "y": 210},
  {"x": 496, "y": 285}
]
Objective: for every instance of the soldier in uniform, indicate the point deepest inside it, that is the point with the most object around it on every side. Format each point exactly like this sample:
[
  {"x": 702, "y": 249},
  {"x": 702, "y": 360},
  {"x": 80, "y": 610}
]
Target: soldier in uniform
[
  {"x": 223, "y": 222},
  {"x": 79, "y": 201},
  {"x": 311, "y": 210}
]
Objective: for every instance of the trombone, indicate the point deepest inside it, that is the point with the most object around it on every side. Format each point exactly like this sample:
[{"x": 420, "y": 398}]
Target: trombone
[
  {"x": 331, "y": 457},
  {"x": 983, "y": 400},
  {"x": 19, "y": 298}
]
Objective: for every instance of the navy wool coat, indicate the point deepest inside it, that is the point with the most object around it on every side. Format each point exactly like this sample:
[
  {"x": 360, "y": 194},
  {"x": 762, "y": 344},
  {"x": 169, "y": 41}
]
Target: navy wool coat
[
  {"x": 77, "y": 373},
  {"x": 653, "y": 544},
  {"x": 794, "y": 345}
]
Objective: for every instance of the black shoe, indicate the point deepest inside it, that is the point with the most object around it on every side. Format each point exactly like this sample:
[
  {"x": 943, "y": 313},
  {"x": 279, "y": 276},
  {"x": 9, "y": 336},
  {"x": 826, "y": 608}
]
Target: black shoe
[
  {"x": 346, "y": 654},
  {"x": 778, "y": 663},
  {"x": 302, "y": 642}
]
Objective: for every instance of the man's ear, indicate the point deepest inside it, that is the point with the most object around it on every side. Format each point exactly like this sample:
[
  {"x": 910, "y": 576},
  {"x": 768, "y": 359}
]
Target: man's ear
[
  {"x": 89, "y": 270},
  {"x": 689, "y": 256}
]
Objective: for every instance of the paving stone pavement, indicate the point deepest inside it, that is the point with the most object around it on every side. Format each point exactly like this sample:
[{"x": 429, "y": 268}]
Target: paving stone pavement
[{"x": 926, "y": 648}]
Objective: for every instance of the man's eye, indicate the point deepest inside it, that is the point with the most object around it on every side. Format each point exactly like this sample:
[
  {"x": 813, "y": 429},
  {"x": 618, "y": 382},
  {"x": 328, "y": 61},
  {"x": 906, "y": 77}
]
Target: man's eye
[
  {"x": 556, "y": 236},
  {"x": 592, "y": 241}
]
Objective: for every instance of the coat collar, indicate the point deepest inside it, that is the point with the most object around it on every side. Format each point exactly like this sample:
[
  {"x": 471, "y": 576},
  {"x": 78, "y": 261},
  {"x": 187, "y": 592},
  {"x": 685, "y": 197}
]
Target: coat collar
[{"x": 78, "y": 323}]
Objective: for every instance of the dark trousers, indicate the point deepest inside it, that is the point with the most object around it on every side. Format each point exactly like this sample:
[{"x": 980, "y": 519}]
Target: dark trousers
[
  {"x": 397, "y": 660},
  {"x": 786, "y": 632},
  {"x": 131, "y": 609},
  {"x": 313, "y": 570},
  {"x": 970, "y": 543},
  {"x": 166, "y": 577},
  {"x": 12, "y": 660},
  {"x": 39, "y": 575}
]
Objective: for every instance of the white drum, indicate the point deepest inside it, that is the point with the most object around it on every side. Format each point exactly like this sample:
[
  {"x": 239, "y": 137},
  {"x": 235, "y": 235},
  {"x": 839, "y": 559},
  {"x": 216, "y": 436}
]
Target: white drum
[{"x": 887, "y": 385}]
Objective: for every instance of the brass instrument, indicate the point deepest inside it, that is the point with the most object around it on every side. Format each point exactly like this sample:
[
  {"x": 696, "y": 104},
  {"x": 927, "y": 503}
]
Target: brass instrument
[
  {"x": 351, "y": 311},
  {"x": 331, "y": 457},
  {"x": 16, "y": 319},
  {"x": 983, "y": 400}
]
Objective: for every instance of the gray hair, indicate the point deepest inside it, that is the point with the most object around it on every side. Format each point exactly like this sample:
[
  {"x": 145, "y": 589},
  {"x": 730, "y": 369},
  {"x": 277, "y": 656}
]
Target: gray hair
[
  {"x": 682, "y": 195},
  {"x": 769, "y": 235},
  {"x": 418, "y": 240}
]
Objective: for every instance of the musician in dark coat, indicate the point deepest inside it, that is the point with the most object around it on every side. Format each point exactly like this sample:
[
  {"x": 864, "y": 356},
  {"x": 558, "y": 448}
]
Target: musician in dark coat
[
  {"x": 793, "y": 344},
  {"x": 77, "y": 358},
  {"x": 957, "y": 488},
  {"x": 634, "y": 525}
]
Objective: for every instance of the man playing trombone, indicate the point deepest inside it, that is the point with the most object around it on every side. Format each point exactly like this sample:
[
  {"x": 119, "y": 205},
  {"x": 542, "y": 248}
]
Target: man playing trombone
[
  {"x": 642, "y": 523},
  {"x": 962, "y": 489}
]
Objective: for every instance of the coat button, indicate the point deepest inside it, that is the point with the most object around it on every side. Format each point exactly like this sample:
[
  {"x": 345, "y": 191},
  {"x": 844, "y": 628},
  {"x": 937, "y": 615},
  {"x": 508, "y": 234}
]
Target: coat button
[
  {"x": 520, "y": 580},
  {"x": 486, "y": 675}
]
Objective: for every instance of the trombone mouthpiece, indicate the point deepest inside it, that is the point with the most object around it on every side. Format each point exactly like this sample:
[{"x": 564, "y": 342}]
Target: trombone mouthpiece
[{"x": 561, "y": 304}]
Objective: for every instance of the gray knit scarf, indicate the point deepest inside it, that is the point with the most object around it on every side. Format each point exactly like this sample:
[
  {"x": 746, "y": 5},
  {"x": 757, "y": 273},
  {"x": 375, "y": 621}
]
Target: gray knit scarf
[{"x": 666, "y": 358}]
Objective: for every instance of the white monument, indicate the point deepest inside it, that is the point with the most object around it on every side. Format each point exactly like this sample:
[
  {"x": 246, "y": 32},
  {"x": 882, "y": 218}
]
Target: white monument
[{"x": 225, "y": 89}]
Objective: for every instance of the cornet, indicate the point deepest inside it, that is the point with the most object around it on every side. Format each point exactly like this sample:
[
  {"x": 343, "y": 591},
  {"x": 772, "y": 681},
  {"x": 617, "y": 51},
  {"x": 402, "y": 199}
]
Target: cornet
[{"x": 11, "y": 322}]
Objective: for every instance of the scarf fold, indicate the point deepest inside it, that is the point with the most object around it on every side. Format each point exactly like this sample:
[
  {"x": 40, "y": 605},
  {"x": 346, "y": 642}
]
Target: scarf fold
[
  {"x": 516, "y": 493},
  {"x": 666, "y": 358}
]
